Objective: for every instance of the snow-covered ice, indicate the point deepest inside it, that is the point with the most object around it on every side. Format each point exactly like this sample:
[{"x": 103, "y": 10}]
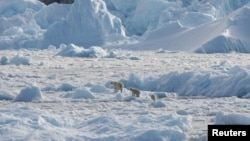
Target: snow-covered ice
[
  {"x": 202, "y": 26},
  {"x": 71, "y": 98},
  {"x": 57, "y": 62}
]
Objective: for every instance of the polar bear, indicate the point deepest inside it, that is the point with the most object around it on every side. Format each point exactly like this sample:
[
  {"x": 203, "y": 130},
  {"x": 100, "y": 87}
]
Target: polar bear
[
  {"x": 117, "y": 86},
  {"x": 135, "y": 92},
  {"x": 153, "y": 97}
]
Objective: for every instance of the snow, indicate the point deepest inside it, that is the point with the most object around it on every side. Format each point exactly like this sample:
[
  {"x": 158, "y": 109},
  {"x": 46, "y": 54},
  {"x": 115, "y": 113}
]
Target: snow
[
  {"x": 201, "y": 26},
  {"x": 18, "y": 59},
  {"x": 99, "y": 88},
  {"x": 157, "y": 104},
  {"x": 74, "y": 100},
  {"x": 6, "y": 96},
  {"x": 4, "y": 60},
  {"x": 80, "y": 94},
  {"x": 66, "y": 87},
  {"x": 57, "y": 62},
  {"x": 75, "y": 51},
  {"x": 200, "y": 31},
  {"x": 233, "y": 118},
  {"x": 203, "y": 83},
  {"x": 18, "y": 27},
  {"x": 85, "y": 17},
  {"x": 29, "y": 94}
]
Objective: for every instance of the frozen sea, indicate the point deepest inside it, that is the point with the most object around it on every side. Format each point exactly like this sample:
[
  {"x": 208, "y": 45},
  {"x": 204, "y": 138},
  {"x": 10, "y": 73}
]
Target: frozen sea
[
  {"x": 57, "y": 62},
  {"x": 48, "y": 96}
]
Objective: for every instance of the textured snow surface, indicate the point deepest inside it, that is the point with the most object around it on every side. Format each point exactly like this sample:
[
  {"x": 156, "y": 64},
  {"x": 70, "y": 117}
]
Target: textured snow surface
[
  {"x": 71, "y": 98},
  {"x": 203, "y": 26}
]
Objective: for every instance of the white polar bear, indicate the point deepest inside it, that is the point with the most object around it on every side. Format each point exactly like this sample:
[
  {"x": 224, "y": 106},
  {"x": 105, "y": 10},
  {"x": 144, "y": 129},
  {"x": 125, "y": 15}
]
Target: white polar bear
[
  {"x": 135, "y": 92},
  {"x": 117, "y": 86}
]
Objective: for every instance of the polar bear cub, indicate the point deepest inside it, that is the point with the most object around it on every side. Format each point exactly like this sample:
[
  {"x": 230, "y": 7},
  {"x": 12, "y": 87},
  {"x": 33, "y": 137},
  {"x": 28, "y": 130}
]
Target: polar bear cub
[
  {"x": 135, "y": 92},
  {"x": 118, "y": 86},
  {"x": 153, "y": 97}
]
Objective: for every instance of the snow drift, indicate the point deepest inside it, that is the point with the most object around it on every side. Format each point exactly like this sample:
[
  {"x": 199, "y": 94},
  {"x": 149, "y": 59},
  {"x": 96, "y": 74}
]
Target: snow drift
[
  {"x": 80, "y": 94},
  {"x": 234, "y": 83},
  {"x": 76, "y": 51},
  {"x": 29, "y": 94}
]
